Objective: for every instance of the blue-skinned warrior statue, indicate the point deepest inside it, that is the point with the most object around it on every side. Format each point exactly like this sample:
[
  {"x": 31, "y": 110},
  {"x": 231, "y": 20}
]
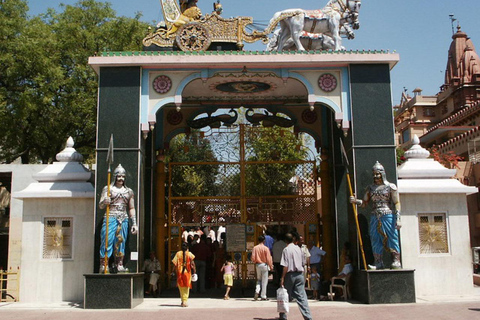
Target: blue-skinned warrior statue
[
  {"x": 385, "y": 217},
  {"x": 121, "y": 207}
]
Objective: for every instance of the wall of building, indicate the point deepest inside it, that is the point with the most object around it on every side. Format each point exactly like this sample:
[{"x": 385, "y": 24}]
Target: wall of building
[
  {"x": 55, "y": 280},
  {"x": 440, "y": 273},
  {"x": 21, "y": 178}
]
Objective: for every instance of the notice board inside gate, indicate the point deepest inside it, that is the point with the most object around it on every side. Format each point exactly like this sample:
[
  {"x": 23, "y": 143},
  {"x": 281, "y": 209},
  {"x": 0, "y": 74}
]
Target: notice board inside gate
[{"x": 236, "y": 237}]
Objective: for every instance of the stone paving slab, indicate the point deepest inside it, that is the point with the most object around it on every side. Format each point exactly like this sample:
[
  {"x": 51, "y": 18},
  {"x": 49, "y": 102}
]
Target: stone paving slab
[{"x": 243, "y": 308}]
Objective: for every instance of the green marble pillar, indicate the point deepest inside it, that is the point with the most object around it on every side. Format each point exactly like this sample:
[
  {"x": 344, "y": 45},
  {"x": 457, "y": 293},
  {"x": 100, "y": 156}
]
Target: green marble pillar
[
  {"x": 119, "y": 114},
  {"x": 372, "y": 134}
]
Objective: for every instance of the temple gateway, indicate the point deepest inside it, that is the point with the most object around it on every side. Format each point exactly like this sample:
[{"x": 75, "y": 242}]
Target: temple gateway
[{"x": 212, "y": 137}]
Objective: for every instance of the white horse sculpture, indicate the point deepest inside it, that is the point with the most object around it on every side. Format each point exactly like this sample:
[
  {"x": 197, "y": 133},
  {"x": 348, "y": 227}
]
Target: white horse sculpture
[
  {"x": 310, "y": 41},
  {"x": 326, "y": 21}
]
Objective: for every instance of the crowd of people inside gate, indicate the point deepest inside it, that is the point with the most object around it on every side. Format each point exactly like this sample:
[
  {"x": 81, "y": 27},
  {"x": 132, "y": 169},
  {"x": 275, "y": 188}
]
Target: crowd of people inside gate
[
  {"x": 215, "y": 269},
  {"x": 208, "y": 246}
]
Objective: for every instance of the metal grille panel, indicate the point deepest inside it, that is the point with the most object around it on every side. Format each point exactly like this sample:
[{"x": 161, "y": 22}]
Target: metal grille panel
[
  {"x": 205, "y": 211},
  {"x": 205, "y": 179},
  {"x": 280, "y": 179},
  {"x": 433, "y": 233},
  {"x": 281, "y": 210},
  {"x": 257, "y": 180}
]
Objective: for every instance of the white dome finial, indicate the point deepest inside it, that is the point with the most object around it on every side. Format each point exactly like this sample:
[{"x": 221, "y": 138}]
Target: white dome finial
[
  {"x": 69, "y": 154},
  {"x": 417, "y": 151}
]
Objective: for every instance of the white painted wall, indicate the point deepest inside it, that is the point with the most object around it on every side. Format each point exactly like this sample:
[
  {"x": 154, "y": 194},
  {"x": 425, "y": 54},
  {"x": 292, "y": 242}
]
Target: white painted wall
[
  {"x": 56, "y": 280},
  {"x": 22, "y": 176},
  {"x": 438, "y": 274}
]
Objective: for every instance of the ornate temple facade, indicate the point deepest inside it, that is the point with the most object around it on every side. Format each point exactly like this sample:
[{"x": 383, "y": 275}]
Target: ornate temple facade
[{"x": 450, "y": 120}]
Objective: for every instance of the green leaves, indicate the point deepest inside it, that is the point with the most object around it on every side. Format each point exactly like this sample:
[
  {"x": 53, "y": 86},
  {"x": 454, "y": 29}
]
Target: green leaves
[
  {"x": 273, "y": 157},
  {"x": 192, "y": 180},
  {"x": 47, "y": 90}
]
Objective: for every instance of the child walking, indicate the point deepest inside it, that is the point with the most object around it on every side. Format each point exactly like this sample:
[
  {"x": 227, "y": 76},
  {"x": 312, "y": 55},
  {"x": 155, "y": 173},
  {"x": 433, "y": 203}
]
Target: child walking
[
  {"x": 227, "y": 270},
  {"x": 315, "y": 282}
]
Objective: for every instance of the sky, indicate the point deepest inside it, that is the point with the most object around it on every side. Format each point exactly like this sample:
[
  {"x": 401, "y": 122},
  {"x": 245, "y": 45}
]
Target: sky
[{"x": 420, "y": 31}]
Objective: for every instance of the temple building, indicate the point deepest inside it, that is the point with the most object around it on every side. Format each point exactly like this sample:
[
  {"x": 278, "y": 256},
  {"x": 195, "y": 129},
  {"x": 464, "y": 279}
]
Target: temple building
[
  {"x": 450, "y": 120},
  {"x": 241, "y": 144}
]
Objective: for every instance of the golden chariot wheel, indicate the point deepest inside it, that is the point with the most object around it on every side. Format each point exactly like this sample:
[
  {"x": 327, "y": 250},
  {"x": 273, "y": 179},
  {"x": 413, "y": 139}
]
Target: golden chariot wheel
[{"x": 193, "y": 37}]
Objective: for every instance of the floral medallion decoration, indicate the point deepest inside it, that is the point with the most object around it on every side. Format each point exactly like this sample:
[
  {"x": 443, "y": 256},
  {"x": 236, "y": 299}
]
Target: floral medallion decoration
[
  {"x": 174, "y": 117},
  {"x": 162, "y": 84},
  {"x": 309, "y": 116},
  {"x": 327, "y": 82}
]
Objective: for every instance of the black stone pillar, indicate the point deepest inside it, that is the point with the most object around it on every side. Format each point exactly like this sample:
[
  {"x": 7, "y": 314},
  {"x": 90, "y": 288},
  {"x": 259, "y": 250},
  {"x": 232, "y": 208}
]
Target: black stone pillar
[
  {"x": 119, "y": 114},
  {"x": 384, "y": 286},
  {"x": 113, "y": 291},
  {"x": 372, "y": 135}
]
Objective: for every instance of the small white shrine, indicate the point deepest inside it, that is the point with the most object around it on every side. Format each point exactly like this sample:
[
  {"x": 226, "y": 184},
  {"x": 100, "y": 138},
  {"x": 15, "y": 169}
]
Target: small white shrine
[
  {"x": 435, "y": 237},
  {"x": 57, "y": 230}
]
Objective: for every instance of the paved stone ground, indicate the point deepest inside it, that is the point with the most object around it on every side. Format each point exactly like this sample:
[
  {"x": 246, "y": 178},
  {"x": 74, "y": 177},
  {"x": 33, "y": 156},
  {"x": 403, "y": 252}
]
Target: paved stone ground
[{"x": 439, "y": 308}]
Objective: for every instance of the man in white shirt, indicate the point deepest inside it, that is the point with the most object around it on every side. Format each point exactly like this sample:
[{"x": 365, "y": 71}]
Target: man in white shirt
[
  {"x": 185, "y": 234},
  {"x": 343, "y": 275},
  {"x": 304, "y": 248},
  {"x": 211, "y": 234},
  {"x": 277, "y": 250},
  {"x": 293, "y": 262},
  {"x": 152, "y": 270},
  {"x": 221, "y": 229}
]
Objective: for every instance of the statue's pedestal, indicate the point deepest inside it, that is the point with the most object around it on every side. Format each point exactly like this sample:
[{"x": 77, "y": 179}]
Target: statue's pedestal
[
  {"x": 113, "y": 291},
  {"x": 384, "y": 286}
]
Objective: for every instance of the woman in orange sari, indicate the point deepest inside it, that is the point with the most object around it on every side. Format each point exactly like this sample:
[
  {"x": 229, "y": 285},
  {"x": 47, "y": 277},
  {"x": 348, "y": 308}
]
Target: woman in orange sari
[{"x": 184, "y": 266}]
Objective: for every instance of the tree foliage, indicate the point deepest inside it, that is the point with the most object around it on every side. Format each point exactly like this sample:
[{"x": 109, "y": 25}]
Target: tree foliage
[
  {"x": 272, "y": 156},
  {"x": 400, "y": 152},
  {"x": 47, "y": 90},
  {"x": 449, "y": 160},
  {"x": 192, "y": 180},
  {"x": 274, "y": 144}
]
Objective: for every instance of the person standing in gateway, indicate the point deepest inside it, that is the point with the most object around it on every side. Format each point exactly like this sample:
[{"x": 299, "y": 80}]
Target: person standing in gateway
[
  {"x": 263, "y": 263},
  {"x": 293, "y": 263}
]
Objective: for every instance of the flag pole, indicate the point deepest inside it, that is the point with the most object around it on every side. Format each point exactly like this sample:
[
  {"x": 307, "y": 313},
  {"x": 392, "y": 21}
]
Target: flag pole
[
  {"x": 354, "y": 206},
  {"x": 107, "y": 214}
]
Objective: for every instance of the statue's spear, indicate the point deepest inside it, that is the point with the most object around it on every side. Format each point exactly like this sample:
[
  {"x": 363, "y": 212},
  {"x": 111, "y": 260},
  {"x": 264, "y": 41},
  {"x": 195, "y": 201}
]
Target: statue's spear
[
  {"x": 109, "y": 174},
  {"x": 354, "y": 206}
]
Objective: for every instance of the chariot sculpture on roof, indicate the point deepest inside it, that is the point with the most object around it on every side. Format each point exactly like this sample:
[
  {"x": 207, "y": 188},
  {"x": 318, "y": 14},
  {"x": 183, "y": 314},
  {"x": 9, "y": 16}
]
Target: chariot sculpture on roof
[{"x": 187, "y": 29}]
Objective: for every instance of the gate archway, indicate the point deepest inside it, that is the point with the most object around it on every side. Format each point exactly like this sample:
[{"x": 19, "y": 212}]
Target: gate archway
[
  {"x": 145, "y": 98},
  {"x": 242, "y": 177}
]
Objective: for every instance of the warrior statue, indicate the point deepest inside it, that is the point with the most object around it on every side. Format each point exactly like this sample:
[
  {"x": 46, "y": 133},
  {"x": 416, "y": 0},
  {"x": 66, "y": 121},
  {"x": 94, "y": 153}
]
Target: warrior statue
[
  {"x": 384, "y": 223},
  {"x": 121, "y": 206}
]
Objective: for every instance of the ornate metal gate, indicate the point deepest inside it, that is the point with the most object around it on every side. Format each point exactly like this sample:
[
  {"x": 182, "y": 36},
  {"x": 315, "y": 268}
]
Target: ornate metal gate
[{"x": 253, "y": 178}]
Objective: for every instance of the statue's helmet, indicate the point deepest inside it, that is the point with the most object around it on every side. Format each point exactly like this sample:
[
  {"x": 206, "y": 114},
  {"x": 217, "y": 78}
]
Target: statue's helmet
[
  {"x": 118, "y": 171},
  {"x": 377, "y": 167}
]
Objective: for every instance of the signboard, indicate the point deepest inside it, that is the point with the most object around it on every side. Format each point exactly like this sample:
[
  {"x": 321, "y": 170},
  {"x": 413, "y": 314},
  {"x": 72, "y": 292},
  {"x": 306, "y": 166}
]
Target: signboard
[{"x": 236, "y": 237}]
